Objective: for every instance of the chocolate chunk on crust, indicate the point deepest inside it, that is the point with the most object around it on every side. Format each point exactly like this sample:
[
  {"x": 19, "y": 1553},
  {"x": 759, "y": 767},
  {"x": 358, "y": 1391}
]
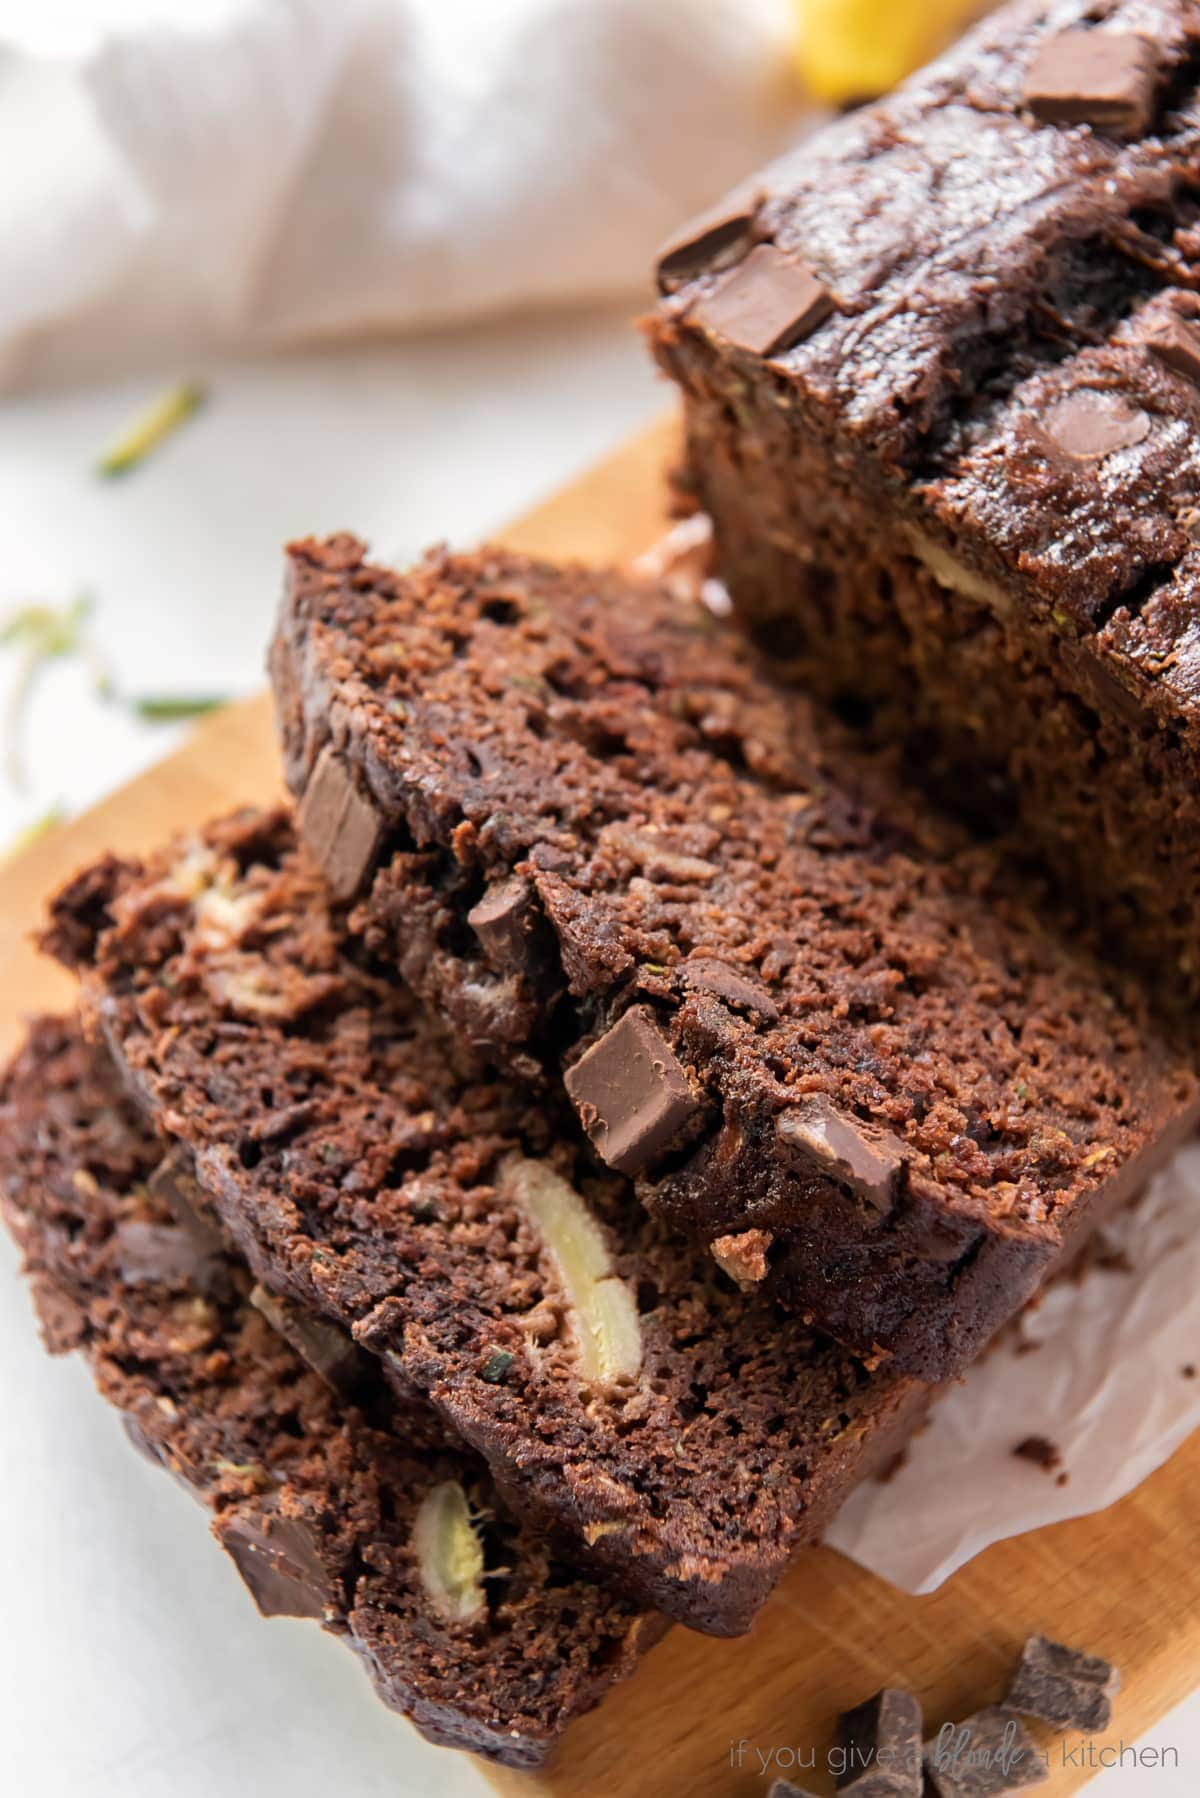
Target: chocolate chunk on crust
[
  {"x": 867, "y": 1161},
  {"x": 768, "y": 303},
  {"x": 633, "y": 1097},
  {"x": 879, "y": 1747},
  {"x": 1063, "y": 1686},
  {"x": 984, "y": 1755},
  {"x": 1102, "y": 78},
  {"x": 339, "y": 824},
  {"x": 711, "y": 240}
]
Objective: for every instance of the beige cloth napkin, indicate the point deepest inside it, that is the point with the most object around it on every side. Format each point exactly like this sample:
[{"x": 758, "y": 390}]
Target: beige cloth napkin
[{"x": 226, "y": 173}]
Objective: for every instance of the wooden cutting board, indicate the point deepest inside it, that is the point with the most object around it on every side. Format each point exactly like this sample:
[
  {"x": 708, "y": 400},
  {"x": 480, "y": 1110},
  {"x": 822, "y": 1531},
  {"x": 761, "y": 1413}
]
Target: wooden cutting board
[{"x": 1124, "y": 1583}]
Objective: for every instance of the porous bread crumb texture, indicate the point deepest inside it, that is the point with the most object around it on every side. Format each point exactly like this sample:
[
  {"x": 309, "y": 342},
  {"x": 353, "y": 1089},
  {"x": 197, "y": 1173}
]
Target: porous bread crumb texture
[
  {"x": 916, "y": 509},
  {"x": 698, "y": 843},
  {"x": 358, "y": 1159},
  {"x": 210, "y": 1391}
]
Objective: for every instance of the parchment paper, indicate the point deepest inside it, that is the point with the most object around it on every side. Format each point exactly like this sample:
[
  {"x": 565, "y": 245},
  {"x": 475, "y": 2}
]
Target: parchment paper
[{"x": 1098, "y": 1368}]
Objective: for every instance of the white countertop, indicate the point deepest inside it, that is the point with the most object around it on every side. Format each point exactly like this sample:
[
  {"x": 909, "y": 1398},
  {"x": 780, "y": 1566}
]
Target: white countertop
[{"x": 131, "y": 1663}]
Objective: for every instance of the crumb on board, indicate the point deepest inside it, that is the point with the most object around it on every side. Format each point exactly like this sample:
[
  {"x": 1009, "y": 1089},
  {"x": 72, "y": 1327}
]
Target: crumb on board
[{"x": 1041, "y": 1451}]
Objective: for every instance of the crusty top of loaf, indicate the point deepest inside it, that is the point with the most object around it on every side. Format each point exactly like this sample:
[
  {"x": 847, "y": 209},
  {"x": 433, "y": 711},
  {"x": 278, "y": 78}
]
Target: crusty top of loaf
[{"x": 986, "y": 265}]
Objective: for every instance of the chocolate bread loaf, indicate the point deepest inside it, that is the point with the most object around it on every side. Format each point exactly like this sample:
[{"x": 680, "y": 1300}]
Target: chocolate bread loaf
[
  {"x": 802, "y": 1013},
  {"x": 365, "y": 1516},
  {"x": 687, "y": 1436},
  {"x": 941, "y": 379}
]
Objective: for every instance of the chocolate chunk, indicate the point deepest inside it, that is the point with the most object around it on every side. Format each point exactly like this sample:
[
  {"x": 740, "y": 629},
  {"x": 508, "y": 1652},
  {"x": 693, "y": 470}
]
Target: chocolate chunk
[
  {"x": 727, "y": 983},
  {"x": 174, "y": 1185},
  {"x": 504, "y": 921},
  {"x": 1096, "y": 677},
  {"x": 1102, "y": 78},
  {"x": 865, "y": 1159},
  {"x": 145, "y": 1445},
  {"x": 712, "y": 240},
  {"x": 879, "y": 1747},
  {"x": 987, "y": 1753},
  {"x": 1089, "y": 425},
  {"x": 1063, "y": 1686},
  {"x": 278, "y": 1559},
  {"x": 168, "y": 1453},
  {"x": 767, "y": 304},
  {"x": 339, "y": 824},
  {"x": 1176, "y": 342},
  {"x": 632, "y": 1096},
  {"x": 332, "y": 1354},
  {"x": 744, "y": 1256},
  {"x": 159, "y": 1255}
]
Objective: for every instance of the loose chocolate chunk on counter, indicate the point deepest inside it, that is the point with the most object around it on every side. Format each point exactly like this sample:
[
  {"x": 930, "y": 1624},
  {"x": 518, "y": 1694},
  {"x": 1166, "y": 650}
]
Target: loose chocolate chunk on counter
[
  {"x": 278, "y": 1560},
  {"x": 1102, "y": 78},
  {"x": 711, "y": 240},
  {"x": 984, "y": 1755},
  {"x": 339, "y": 824},
  {"x": 1089, "y": 425},
  {"x": 867, "y": 1161},
  {"x": 1063, "y": 1686},
  {"x": 632, "y": 1096},
  {"x": 879, "y": 1747},
  {"x": 504, "y": 921},
  {"x": 1175, "y": 341},
  {"x": 332, "y": 1354},
  {"x": 768, "y": 303}
]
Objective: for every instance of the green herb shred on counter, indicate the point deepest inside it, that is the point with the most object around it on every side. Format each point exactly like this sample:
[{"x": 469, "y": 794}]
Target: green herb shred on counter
[
  {"x": 151, "y": 426},
  {"x": 39, "y": 634},
  {"x": 168, "y": 708}
]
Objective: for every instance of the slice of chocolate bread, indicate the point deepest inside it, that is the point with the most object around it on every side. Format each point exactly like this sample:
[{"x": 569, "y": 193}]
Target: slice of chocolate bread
[
  {"x": 690, "y": 1436},
  {"x": 955, "y": 484},
  {"x": 584, "y": 824},
  {"x": 369, "y": 1517}
]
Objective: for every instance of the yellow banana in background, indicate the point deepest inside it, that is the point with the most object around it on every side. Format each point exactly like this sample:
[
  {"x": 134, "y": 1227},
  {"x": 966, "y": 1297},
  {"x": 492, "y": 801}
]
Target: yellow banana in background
[{"x": 853, "y": 49}]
